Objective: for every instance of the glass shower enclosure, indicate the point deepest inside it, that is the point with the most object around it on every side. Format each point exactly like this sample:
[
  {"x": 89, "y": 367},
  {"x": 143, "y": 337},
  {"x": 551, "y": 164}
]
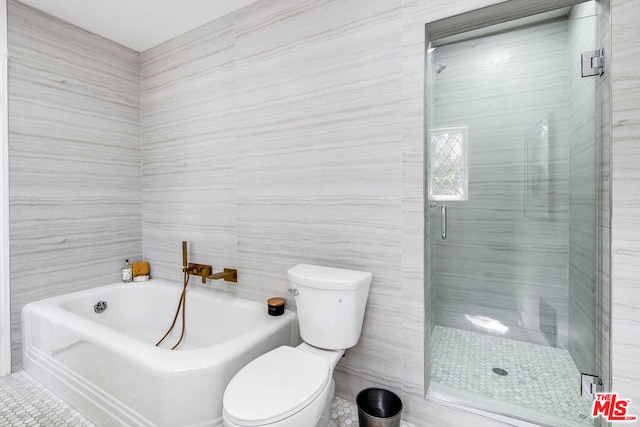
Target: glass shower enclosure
[{"x": 515, "y": 234}]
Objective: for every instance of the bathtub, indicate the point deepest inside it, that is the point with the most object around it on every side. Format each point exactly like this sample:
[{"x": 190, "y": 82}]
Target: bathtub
[{"x": 106, "y": 364}]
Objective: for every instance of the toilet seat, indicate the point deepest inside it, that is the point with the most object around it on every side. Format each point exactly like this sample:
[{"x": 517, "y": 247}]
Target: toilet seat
[{"x": 275, "y": 386}]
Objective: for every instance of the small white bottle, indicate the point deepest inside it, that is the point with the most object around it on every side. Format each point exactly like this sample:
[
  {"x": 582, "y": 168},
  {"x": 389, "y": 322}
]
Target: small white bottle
[{"x": 127, "y": 272}]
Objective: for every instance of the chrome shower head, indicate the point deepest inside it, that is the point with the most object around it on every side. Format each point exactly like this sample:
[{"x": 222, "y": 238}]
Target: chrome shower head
[{"x": 439, "y": 66}]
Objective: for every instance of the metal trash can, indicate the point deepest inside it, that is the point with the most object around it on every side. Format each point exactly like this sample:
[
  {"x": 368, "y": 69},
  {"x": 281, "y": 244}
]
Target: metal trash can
[{"x": 378, "y": 407}]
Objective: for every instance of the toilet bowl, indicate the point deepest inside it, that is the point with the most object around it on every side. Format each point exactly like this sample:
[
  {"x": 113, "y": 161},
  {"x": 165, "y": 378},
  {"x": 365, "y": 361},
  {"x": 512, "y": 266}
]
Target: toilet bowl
[
  {"x": 293, "y": 386},
  {"x": 287, "y": 387}
]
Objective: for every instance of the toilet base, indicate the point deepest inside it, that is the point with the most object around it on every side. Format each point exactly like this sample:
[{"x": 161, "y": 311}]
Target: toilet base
[{"x": 325, "y": 419}]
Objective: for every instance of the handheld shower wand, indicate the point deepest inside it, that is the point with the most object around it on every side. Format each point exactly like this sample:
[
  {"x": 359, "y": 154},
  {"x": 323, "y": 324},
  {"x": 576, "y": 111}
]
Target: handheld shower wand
[{"x": 184, "y": 255}]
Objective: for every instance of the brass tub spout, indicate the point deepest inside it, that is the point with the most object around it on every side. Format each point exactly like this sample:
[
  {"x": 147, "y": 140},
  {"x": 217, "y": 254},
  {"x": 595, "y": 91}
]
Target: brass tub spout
[{"x": 229, "y": 275}]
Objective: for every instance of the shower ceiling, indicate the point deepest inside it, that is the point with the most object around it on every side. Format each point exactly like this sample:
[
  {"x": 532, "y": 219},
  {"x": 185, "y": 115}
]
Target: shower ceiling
[{"x": 138, "y": 24}]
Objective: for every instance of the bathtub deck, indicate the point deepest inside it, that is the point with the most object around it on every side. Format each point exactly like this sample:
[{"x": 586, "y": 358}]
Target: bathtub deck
[{"x": 26, "y": 402}]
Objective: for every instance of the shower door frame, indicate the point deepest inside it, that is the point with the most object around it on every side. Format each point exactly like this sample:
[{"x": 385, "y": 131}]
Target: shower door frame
[
  {"x": 506, "y": 11},
  {"x": 5, "y": 306}
]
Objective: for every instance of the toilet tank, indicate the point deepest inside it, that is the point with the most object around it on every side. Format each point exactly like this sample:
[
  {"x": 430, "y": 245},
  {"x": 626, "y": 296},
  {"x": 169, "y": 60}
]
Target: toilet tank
[{"x": 331, "y": 303}]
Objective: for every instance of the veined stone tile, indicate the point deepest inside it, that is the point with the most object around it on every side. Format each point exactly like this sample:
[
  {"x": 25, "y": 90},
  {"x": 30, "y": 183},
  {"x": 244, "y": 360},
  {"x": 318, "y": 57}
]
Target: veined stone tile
[{"x": 74, "y": 158}]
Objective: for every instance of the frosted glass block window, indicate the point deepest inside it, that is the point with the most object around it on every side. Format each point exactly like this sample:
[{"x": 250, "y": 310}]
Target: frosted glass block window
[{"x": 448, "y": 164}]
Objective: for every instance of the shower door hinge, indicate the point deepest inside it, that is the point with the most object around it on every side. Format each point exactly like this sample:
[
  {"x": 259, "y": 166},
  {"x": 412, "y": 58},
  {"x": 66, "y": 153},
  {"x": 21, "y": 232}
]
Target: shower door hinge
[
  {"x": 593, "y": 63},
  {"x": 590, "y": 385}
]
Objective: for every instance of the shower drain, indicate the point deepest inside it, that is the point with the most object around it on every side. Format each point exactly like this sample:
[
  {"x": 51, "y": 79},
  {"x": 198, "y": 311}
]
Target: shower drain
[{"x": 500, "y": 371}]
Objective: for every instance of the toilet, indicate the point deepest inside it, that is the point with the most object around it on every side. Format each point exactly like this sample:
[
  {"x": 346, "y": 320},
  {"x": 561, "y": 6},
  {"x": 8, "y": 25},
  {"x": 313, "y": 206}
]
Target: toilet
[{"x": 293, "y": 386}]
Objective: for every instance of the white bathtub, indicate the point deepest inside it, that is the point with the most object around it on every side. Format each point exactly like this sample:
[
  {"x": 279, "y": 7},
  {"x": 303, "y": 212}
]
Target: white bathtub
[{"x": 107, "y": 367}]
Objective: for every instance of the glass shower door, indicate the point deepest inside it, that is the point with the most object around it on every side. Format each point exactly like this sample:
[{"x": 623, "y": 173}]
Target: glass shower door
[{"x": 513, "y": 249}]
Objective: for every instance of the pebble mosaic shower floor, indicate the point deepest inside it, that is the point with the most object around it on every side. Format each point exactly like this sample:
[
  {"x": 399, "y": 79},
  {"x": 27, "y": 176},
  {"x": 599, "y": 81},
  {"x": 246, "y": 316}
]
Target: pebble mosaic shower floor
[
  {"x": 26, "y": 402},
  {"x": 541, "y": 383}
]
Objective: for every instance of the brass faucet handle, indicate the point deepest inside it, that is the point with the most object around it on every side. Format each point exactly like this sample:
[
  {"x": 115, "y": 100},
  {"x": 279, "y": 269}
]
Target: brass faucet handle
[
  {"x": 202, "y": 270},
  {"x": 204, "y": 273}
]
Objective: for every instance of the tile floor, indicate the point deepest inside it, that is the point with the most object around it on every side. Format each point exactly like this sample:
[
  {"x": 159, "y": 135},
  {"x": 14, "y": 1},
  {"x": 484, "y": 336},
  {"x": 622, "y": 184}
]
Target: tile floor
[
  {"x": 542, "y": 383},
  {"x": 26, "y": 402}
]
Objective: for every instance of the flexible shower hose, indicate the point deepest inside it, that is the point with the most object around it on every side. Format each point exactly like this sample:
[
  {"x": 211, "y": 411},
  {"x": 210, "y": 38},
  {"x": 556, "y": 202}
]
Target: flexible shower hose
[{"x": 181, "y": 305}]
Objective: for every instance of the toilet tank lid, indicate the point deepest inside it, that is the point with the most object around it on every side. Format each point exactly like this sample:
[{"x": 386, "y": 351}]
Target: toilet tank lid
[{"x": 317, "y": 276}]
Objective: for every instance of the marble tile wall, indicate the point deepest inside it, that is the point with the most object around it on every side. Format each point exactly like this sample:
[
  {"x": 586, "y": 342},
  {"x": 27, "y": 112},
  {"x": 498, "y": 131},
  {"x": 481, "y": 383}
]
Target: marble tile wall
[
  {"x": 74, "y": 160},
  {"x": 189, "y": 150},
  {"x": 266, "y": 150},
  {"x": 625, "y": 232}
]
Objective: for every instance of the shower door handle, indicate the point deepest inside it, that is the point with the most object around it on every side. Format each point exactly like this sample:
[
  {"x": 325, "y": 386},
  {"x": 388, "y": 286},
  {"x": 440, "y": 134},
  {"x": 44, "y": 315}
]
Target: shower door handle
[{"x": 443, "y": 222}]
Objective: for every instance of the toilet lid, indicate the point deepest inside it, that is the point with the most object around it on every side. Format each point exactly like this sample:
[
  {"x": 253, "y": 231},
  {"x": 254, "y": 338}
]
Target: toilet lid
[{"x": 275, "y": 386}]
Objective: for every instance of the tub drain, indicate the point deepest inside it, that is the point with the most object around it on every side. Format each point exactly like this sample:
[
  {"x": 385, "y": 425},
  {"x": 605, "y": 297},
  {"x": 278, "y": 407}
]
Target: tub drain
[
  {"x": 100, "y": 306},
  {"x": 500, "y": 371}
]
